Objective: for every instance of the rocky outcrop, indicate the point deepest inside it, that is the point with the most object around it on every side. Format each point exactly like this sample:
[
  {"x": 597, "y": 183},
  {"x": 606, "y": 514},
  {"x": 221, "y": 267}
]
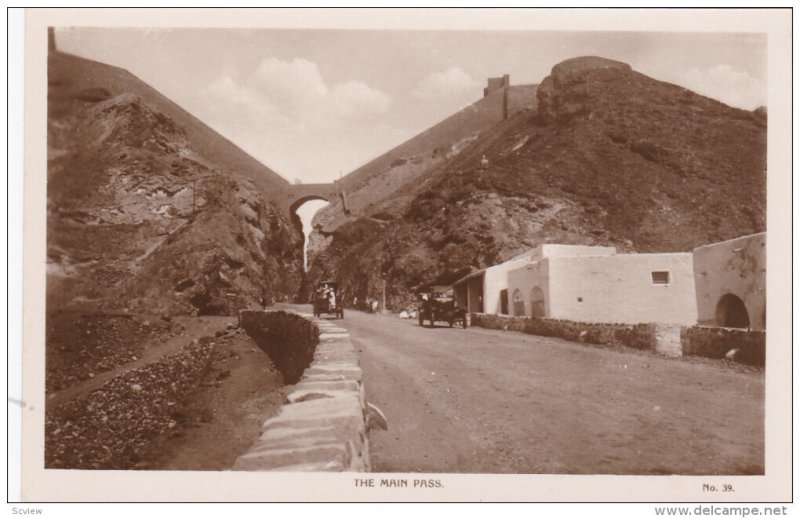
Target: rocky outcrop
[
  {"x": 147, "y": 212},
  {"x": 565, "y": 92}
]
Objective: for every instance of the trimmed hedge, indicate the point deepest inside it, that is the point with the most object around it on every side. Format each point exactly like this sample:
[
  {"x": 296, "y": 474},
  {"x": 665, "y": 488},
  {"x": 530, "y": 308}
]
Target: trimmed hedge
[{"x": 288, "y": 339}]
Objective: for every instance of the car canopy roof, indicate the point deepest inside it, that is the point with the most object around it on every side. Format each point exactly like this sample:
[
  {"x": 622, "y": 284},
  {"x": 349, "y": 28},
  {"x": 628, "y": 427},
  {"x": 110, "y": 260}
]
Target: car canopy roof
[{"x": 435, "y": 289}]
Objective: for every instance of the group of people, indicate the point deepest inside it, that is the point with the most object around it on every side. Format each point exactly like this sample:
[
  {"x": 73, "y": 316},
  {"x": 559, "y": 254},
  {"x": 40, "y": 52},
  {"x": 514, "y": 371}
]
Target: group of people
[{"x": 326, "y": 292}]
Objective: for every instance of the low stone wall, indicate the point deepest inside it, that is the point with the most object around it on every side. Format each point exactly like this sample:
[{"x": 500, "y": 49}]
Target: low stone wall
[
  {"x": 717, "y": 342},
  {"x": 322, "y": 426},
  {"x": 289, "y": 339},
  {"x": 114, "y": 426},
  {"x": 638, "y": 336}
]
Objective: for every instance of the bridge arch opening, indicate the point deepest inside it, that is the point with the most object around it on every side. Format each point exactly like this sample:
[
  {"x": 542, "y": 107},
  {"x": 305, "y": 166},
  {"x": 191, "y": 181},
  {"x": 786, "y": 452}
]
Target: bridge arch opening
[
  {"x": 304, "y": 210},
  {"x": 300, "y": 204}
]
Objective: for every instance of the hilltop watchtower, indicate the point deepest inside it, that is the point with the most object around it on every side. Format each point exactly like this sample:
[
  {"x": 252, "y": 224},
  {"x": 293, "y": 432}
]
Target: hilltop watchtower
[
  {"x": 502, "y": 84},
  {"x": 495, "y": 83}
]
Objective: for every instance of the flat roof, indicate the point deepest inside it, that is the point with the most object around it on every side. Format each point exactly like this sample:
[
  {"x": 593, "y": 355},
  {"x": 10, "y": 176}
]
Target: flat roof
[
  {"x": 728, "y": 241},
  {"x": 470, "y": 276}
]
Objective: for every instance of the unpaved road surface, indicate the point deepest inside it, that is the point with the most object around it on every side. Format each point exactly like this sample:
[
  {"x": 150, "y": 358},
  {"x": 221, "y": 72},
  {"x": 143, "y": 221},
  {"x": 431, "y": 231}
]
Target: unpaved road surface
[{"x": 485, "y": 401}]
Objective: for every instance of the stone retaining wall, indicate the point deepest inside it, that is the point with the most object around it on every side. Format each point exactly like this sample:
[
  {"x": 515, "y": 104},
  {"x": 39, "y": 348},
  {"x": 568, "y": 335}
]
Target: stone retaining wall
[
  {"x": 711, "y": 342},
  {"x": 638, "y": 336},
  {"x": 322, "y": 426},
  {"x": 717, "y": 342}
]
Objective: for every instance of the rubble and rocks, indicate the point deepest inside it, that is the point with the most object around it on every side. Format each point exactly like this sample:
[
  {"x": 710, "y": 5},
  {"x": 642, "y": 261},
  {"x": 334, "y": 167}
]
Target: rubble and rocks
[
  {"x": 115, "y": 426},
  {"x": 81, "y": 345}
]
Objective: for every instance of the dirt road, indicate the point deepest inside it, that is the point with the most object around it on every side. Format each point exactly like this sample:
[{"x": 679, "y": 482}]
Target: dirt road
[{"x": 484, "y": 401}]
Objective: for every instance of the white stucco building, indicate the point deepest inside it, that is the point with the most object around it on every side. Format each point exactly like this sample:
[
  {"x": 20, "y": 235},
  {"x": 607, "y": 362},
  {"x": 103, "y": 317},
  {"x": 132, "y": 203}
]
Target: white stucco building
[
  {"x": 731, "y": 282},
  {"x": 484, "y": 291},
  {"x": 587, "y": 284}
]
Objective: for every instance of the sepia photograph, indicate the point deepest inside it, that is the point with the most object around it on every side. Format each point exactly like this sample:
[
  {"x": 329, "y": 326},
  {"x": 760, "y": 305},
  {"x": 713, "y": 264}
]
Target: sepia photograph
[{"x": 397, "y": 254}]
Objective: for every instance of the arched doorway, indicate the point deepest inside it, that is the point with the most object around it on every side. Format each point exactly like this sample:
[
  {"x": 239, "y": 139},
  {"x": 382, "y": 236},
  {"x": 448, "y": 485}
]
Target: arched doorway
[
  {"x": 537, "y": 303},
  {"x": 731, "y": 312},
  {"x": 519, "y": 304}
]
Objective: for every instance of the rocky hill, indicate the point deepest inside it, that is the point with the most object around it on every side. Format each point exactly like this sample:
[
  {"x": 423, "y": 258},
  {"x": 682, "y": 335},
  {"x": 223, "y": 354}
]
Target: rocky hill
[
  {"x": 378, "y": 182},
  {"x": 609, "y": 157},
  {"x": 151, "y": 211}
]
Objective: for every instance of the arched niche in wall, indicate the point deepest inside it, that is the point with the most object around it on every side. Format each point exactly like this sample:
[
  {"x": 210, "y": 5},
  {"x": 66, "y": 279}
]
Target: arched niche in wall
[
  {"x": 519, "y": 304},
  {"x": 537, "y": 302},
  {"x": 731, "y": 312}
]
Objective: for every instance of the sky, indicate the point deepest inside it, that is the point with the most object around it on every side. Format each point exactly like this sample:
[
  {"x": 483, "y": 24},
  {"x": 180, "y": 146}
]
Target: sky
[{"x": 316, "y": 104}]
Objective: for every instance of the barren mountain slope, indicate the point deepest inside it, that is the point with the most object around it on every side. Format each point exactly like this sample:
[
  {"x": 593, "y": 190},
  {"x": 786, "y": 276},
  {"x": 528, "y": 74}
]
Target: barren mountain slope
[
  {"x": 70, "y": 75},
  {"x": 610, "y": 157},
  {"x": 148, "y": 209},
  {"x": 378, "y": 182}
]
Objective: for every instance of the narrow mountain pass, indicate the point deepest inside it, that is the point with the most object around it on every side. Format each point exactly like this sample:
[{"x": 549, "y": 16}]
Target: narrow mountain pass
[{"x": 484, "y": 401}]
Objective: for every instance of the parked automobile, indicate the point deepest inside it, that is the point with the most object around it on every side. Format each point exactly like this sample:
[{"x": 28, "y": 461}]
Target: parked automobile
[{"x": 437, "y": 304}]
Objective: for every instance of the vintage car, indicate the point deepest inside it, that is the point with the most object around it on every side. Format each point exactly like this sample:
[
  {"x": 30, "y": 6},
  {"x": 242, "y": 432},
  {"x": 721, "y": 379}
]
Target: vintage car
[
  {"x": 327, "y": 299},
  {"x": 436, "y": 304}
]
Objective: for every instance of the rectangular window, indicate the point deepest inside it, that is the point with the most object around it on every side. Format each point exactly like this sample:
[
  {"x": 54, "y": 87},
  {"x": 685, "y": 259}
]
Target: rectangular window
[{"x": 660, "y": 277}]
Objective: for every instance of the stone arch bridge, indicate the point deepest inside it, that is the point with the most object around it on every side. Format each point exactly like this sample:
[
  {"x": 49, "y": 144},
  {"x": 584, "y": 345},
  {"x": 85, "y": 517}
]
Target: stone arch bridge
[{"x": 300, "y": 193}]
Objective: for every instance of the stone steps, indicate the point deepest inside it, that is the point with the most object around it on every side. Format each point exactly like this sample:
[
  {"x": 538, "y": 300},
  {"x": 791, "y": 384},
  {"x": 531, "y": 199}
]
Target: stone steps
[{"x": 668, "y": 339}]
